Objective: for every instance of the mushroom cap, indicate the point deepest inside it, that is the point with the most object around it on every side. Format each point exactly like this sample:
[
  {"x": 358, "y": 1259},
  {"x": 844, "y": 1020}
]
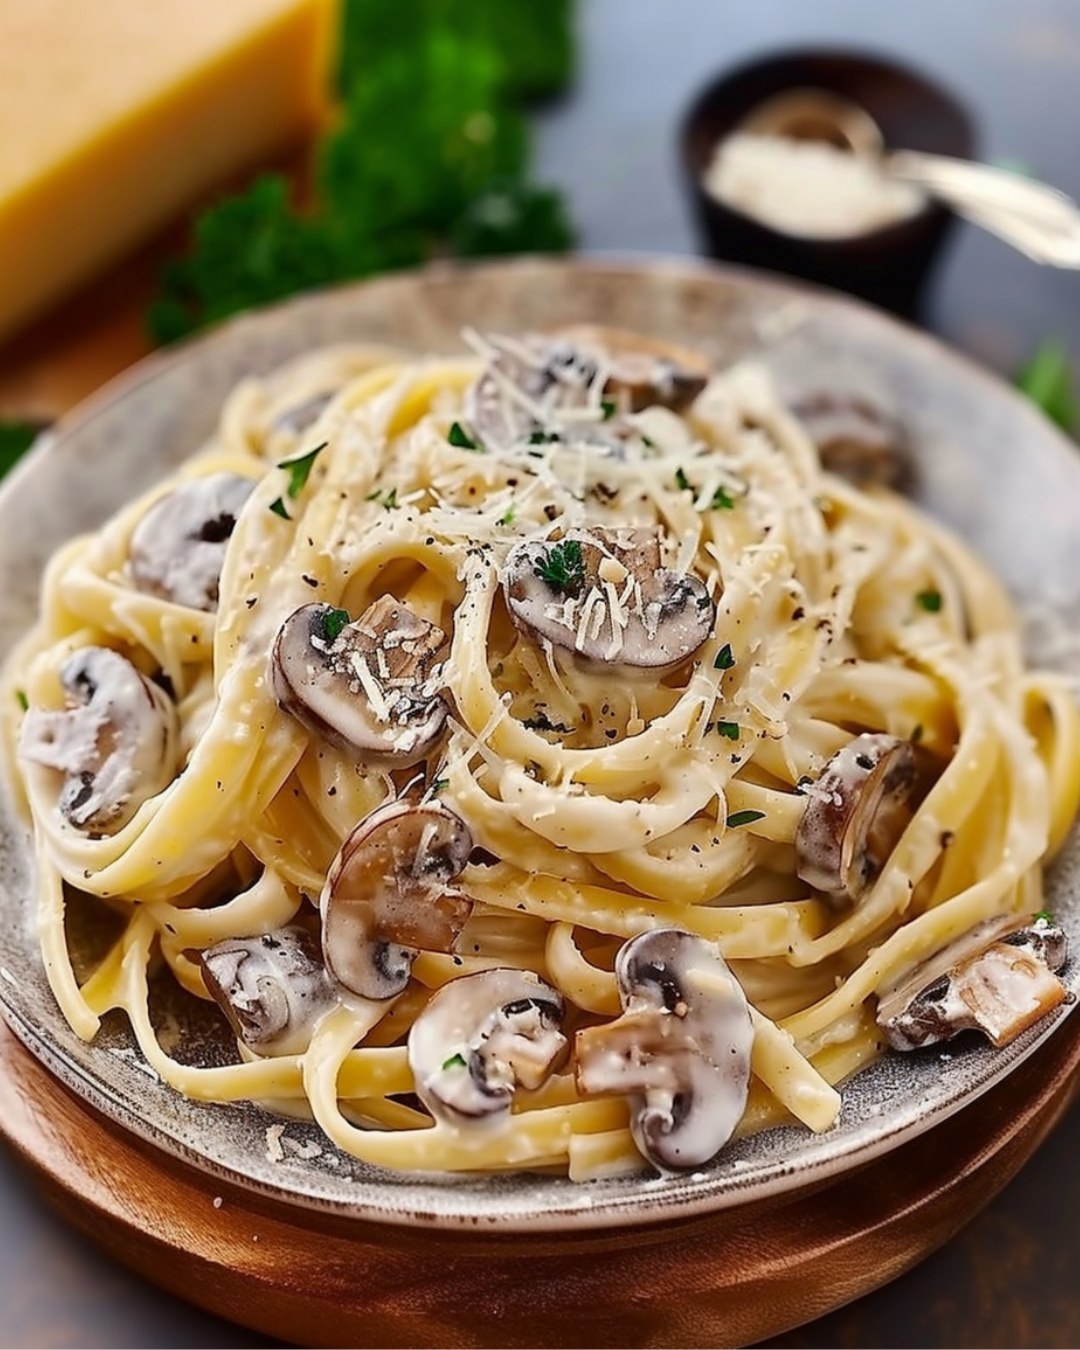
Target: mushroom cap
[
  {"x": 481, "y": 1037},
  {"x": 855, "y": 438},
  {"x": 604, "y": 595},
  {"x": 387, "y": 895},
  {"x": 272, "y": 988},
  {"x": 115, "y": 741},
  {"x": 855, "y": 814},
  {"x": 557, "y": 372},
  {"x": 178, "y": 548},
  {"x": 371, "y": 688},
  {"x": 648, "y": 371},
  {"x": 680, "y": 1051},
  {"x": 998, "y": 978}
]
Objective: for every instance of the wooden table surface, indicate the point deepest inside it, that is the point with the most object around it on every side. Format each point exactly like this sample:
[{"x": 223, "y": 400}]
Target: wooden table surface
[{"x": 1012, "y": 1277}]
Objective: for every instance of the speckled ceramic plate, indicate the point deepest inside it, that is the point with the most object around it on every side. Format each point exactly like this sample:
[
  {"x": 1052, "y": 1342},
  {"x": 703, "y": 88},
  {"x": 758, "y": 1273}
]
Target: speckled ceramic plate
[{"x": 989, "y": 465}]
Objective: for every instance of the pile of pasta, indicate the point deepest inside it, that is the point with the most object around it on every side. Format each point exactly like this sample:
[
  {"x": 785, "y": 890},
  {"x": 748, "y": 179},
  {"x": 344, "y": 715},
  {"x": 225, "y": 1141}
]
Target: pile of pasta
[{"x": 601, "y": 804}]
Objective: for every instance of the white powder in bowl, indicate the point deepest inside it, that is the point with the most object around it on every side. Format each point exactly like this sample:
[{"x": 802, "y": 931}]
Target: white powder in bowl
[{"x": 807, "y": 188}]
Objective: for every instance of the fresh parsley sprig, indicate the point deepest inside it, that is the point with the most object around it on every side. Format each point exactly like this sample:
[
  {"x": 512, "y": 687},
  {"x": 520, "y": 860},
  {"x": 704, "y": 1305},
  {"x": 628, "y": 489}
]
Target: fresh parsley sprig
[{"x": 562, "y": 567}]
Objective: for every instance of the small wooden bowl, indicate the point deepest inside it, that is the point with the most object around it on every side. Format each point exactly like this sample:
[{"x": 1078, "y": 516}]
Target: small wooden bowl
[{"x": 888, "y": 266}]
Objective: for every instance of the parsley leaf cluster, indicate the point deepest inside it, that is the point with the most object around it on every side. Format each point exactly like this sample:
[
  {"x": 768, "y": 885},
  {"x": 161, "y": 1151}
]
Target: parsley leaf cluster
[{"x": 429, "y": 157}]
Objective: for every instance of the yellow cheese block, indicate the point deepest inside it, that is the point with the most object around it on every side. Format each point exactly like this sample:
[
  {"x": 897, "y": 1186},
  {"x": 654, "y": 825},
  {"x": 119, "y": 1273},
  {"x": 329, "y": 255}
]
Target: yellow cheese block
[{"x": 114, "y": 114}]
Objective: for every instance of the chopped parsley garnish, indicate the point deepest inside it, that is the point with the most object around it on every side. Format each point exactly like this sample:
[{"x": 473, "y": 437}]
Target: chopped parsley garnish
[
  {"x": 457, "y": 435},
  {"x": 334, "y": 620},
  {"x": 1047, "y": 380},
  {"x": 454, "y": 1062},
  {"x": 722, "y": 500},
  {"x": 279, "y": 509},
  {"x": 543, "y": 437},
  {"x": 21, "y": 699},
  {"x": 744, "y": 818},
  {"x": 563, "y": 568},
  {"x": 1043, "y": 915},
  {"x": 299, "y": 469},
  {"x": 438, "y": 784},
  {"x": 387, "y": 498},
  {"x": 682, "y": 482},
  {"x": 507, "y": 517},
  {"x": 609, "y": 408},
  {"x": 724, "y": 659},
  {"x": 730, "y": 730},
  {"x": 929, "y": 600}
]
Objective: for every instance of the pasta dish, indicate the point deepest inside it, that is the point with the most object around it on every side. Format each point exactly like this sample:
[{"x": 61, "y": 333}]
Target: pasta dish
[{"x": 562, "y": 756}]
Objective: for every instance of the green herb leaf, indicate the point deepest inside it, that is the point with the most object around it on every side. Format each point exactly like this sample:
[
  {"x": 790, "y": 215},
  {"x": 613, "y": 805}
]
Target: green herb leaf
[
  {"x": 454, "y": 1062},
  {"x": 722, "y": 500},
  {"x": 15, "y": 439},
  {"x": 507, "y": 517},
  {"x": 438, "y": 785},
  {"x": 299, "y": 469},
  {"x": 724, "y": 659},
  {"x": 563, "y": 567},
  {"x": 334, "y": 621},
  {"x": 543, "y": 437},
  {"x": 1044, "y": 915},
  {"x": 387, "y": 498},
  {"x": 1047, "y": 381},
  {"x": 929, "y": 600},
  {"x": 730, "y": 730},
  {"x": 608, "y": 408},
  {"x": 457, "y": 435},
  {"x": 21, "y": 699},
  {"x": 279, "y": 509},
  {"x": 744, "y": 818},
  {"x": 682, "y": 482}
]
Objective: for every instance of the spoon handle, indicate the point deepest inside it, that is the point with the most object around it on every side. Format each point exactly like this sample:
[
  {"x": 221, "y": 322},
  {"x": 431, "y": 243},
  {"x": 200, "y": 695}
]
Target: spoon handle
[{"x": 1038, "y": 220}]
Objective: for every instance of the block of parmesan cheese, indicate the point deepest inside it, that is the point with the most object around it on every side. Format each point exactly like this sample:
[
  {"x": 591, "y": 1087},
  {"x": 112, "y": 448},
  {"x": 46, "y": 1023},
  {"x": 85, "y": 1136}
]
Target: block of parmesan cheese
[{"x": 114, "y": 114}]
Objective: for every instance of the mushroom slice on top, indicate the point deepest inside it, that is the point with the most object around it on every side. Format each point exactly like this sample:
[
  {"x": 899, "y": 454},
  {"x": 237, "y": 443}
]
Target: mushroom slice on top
[
  {"x": 115, "y": 741},
  {"x": 370, "y": 685},
  {"x": 272, "y": 988},
  {"x": 647, "y": 372},
  {"x": 482, "y": 1036},
  {"x": 388, "y": 895},
  {"x": 680, "y": 1051},
  {"x": 855, "y": 814},
  {"x": 855, "y": 438},
  {"x": 605, "y": 595},
  {"x": 532, "y": 379},
  {"x": 998, "y": 978},
  {"x": 178, "y": 548}
]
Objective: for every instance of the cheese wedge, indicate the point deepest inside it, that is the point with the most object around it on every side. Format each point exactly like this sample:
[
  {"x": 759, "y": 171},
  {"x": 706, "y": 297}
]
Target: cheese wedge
[{"x": 115, "y": 114}]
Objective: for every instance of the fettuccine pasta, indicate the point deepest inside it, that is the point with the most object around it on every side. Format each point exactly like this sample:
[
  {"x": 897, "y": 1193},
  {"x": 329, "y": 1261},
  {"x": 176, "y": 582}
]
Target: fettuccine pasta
[{"x": 544, "y": 764}]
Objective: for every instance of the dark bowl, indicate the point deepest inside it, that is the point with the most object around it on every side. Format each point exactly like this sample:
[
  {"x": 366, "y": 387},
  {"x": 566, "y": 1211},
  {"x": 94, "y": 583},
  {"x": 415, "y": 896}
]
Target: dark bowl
[{"x": 888, "y": 266}]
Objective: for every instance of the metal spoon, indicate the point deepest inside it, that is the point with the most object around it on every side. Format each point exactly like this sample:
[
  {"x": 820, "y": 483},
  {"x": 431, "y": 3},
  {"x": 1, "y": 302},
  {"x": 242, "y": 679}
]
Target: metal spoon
[{"x": 1040, "y": 221}]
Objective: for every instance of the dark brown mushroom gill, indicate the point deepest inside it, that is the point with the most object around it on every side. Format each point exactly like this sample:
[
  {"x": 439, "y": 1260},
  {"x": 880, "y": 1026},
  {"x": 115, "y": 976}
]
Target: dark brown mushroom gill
[{"x": 604, "y": 595}]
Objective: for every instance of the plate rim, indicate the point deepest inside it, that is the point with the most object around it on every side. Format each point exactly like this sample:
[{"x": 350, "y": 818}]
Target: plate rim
[{"x": 644, "y": 1206}]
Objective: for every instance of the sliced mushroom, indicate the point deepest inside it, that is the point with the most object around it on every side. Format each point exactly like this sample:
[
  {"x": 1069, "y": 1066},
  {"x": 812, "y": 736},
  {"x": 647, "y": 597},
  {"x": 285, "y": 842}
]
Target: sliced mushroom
[
  {"x": 115, "y": 741},
  {"x": 178, "y": 548},
  {"x": 480, "y": 1038},
  {"x": 646, "y": 372},
  {"x": 999, "y": 978},
  {"x": 605, "y": 595},
  {"x": 856, "y": 439},
  {"x": 532, "y": 380},
  {"x": 370, "y": 685},
  {"x": 855, "y": 814},
  {"x": 272, "y": 988},
  {"x": 680, "y": 1051},
  {"x": 388, "y": 895}
]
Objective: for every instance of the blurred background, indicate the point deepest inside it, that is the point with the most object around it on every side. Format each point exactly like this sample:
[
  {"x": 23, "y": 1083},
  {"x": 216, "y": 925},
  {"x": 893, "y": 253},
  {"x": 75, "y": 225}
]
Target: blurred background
[{"x": 166, "y": 163}]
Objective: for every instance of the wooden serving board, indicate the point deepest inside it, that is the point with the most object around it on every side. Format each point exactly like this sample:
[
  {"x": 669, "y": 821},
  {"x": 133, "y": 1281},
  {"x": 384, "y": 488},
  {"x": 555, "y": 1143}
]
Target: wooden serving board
[{"x": 729, "y": 1279}]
